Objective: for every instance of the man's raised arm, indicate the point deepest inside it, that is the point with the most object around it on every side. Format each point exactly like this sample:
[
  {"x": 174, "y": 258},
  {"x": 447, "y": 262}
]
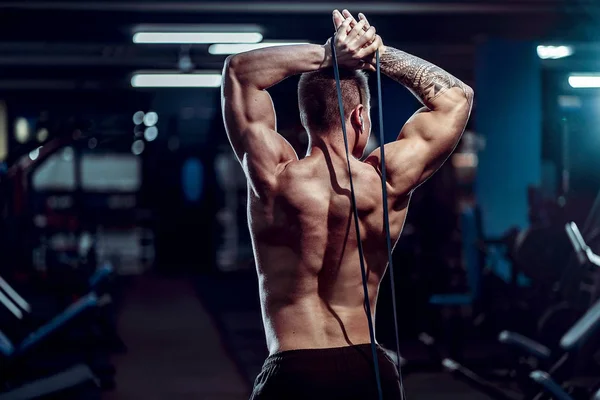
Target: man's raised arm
[
  {"x": 426, "y": 81},
  {"x": 432, "y": 133},
  {"x": 248, "y": 109}
]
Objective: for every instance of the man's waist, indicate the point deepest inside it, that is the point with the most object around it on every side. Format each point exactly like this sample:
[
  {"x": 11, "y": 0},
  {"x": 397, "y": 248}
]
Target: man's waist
[{"x": 325, "y": 353}]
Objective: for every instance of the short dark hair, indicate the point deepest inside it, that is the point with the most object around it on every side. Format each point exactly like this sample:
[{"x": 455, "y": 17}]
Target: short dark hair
[{"x": 318, "y": 100}]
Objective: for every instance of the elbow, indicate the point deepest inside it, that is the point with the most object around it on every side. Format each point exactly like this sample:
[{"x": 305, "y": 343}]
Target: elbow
[
  {"x": 469, "y": 96},
  {"x": 233, "y": 63},
  {"x": 229, "y": 65},
  {"x": 456, "y": 100},
  {"x": 233, "y": 69},
  {"x": 462, "y": 101},
  {"x": 230, "y": 61},
  {"x": 230, "y": 69}
]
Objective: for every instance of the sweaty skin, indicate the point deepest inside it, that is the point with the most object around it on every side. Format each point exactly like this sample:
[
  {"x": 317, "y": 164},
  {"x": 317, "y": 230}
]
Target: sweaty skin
[{"x": 299, "y": 211}]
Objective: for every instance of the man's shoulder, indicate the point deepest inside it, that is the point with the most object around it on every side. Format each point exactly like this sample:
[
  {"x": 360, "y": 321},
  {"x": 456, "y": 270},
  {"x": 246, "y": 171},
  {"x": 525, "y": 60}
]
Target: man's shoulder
[
  {"x": 295, "y": 169},
  {"x": 301, "y": 176}
]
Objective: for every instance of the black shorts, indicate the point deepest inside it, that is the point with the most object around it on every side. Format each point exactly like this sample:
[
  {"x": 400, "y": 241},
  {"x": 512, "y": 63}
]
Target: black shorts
[{"x": 338, "y": 373}]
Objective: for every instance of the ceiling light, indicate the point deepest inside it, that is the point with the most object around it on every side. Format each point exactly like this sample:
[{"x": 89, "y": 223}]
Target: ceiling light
[
  {"x": 569, "y": 102},
  {"x": 196, "y": 37},
  {"x": 42, "y": 134},
  {"x": 151, "y": 133},
  {"x": 21, "y": 130},
  {"x": 137, "y": 147},
  {"x": 151, "y": 118},
  {"x": 554, "y": 52},
  {"x": 212, "y": 80},
  {"x": 138, "y": 117},
  {"x": 234, "y": 48},
  {"x": 584, "y": 81}
]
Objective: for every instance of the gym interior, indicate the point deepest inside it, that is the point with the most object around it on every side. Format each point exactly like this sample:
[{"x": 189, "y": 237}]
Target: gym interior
[{"x": 127, "y": 267}]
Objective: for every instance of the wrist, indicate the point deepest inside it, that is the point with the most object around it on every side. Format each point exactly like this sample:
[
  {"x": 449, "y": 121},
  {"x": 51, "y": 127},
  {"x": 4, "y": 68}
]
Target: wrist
[
  {"x": 326, "y": 58},
  {"x": 382, "y": 50}
]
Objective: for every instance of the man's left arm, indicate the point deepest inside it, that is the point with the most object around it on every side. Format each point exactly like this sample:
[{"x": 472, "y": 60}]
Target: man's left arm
[{"x": 248, "y": 110}]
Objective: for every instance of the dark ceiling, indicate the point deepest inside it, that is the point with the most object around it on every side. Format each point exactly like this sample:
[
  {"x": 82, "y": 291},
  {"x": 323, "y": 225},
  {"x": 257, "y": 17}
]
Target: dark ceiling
[{"x": 87, "y": 44}]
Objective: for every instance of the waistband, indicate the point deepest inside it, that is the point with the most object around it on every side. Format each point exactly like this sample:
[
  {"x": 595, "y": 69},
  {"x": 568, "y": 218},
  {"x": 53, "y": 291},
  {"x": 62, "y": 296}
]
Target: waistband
[{"x": 324, "y": 355}]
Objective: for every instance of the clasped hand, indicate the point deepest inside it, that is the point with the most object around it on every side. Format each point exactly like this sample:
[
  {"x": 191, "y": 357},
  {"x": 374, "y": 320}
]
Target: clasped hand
[{"x": 355, "y": 42}]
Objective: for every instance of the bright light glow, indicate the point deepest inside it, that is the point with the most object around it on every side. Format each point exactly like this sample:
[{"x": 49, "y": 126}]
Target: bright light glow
[
  {"x": 197, "y": 37},
  {"x": 569, "y": 102},
  {"x": 21, "y": 130},
  {"x": 137, "y": 147},
  {"x": 464, "y": 160},
  {"x": 151, "y": 118},
  {"x": 42, "y": 134},
  {"x": 554, "y": 52},
  {"x": 584, "y": 81},
  {"x": 151, "y": 133},
  {"x": 176, "y": 80},
  {"x": 138, "y": 117},
  {"x": 234, "y": 48},
  {"x": 34, "y": 154}
]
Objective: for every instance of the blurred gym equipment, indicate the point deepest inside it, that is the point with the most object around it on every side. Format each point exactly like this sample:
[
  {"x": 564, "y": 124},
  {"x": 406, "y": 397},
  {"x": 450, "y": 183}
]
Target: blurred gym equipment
[{"x": 563, "y": 363}]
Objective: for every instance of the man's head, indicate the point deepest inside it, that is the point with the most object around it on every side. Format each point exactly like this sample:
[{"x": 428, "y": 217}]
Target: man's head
[{"x": 319, "y": 109}]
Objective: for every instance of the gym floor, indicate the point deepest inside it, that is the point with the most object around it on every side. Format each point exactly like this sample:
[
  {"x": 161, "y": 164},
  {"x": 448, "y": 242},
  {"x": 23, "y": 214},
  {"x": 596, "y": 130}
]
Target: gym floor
[{"x": 180, "y": 350}]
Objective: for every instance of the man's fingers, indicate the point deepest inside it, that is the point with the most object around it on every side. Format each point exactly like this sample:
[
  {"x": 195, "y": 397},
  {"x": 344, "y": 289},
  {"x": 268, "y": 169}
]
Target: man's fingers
[
  {"x": 347, "y": 14},
  {"x": 357, "y": 31},
  {"x": 342, "y": 31},
  {"x": 361, "y": 16},
  {"x": 368, "y": 37},
  {"x": 369, "y": 67},
  {"x": 338, "y": 18},
  {"x": 369, "y": 51}
]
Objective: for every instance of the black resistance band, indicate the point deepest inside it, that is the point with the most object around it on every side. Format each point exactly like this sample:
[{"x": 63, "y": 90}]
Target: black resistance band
[
  {"x": 357, "y": 225},
  {"x": 386, "y": 222}
]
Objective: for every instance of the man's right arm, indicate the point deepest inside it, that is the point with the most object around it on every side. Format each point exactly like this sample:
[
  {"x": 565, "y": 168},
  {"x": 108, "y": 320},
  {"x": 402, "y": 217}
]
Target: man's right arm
[{"x": 431, "y": 134}]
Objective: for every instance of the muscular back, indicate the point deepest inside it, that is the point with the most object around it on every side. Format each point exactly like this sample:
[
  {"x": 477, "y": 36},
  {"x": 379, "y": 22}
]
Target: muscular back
[
  {"x": 299, "y": 212},
  {"x": 307, "y": 252}
]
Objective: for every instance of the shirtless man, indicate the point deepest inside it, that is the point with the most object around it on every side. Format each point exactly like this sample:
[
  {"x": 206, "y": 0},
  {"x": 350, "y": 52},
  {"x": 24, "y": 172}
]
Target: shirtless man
[{"x": 300, "y": 213}]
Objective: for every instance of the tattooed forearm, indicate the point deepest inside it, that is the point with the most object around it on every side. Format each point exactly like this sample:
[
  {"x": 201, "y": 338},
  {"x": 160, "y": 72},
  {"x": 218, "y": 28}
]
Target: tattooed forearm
[{"x": 424, "y": 79}]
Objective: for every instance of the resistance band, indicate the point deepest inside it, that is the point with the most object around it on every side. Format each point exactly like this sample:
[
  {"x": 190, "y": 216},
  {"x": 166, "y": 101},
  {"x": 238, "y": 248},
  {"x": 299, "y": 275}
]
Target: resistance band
[{"x": 385, "y": 220}]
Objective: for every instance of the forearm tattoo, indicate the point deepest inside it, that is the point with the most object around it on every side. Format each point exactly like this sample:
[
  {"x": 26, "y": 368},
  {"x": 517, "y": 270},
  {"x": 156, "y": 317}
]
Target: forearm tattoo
[{"x": 424, "y": 79}]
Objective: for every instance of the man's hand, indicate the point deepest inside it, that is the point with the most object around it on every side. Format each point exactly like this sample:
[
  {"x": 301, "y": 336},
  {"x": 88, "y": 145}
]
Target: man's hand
[
  {"x": 355, "y": 43},
  {"x": 345, "y": 15}
]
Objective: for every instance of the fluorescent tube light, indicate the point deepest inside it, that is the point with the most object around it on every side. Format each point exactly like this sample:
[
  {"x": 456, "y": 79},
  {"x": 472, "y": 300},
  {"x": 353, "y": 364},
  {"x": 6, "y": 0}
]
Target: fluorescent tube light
[
  {"x": 584, "y": 81},
  {"x": 206, "y": 80},
  {"x": 197, "y": 37},
  {"x": 554, "y": 52},
  {"x": 234, "y": 48}
]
